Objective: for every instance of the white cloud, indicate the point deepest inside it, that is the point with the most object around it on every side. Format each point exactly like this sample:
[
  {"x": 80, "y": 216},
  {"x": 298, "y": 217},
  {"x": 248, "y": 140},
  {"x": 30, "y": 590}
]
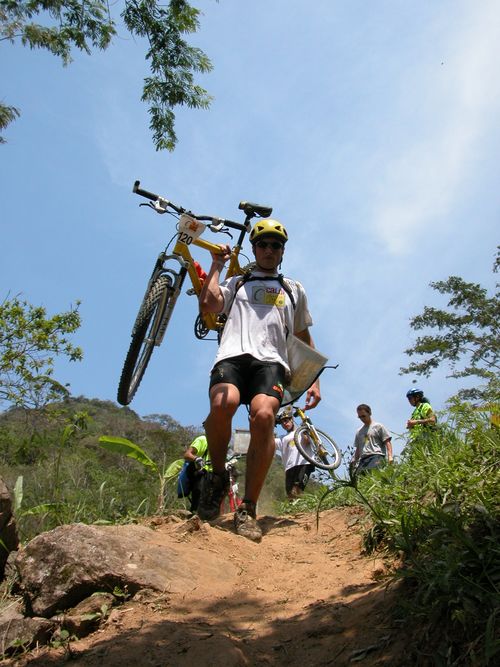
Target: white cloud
[{"x": 458, "y": 97}]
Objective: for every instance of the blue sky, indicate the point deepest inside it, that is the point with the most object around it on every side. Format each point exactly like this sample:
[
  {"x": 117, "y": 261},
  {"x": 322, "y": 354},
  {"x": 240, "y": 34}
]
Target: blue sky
[{"x": 371, "y": 128}]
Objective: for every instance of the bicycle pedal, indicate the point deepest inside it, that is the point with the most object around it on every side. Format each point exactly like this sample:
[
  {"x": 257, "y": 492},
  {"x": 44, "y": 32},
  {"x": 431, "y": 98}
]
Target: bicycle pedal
[{"x": 190, "y": 292}]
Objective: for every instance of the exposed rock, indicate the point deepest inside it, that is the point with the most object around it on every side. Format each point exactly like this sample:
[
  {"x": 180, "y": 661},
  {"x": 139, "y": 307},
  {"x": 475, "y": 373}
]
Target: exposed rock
[
  {"x": 21, "y": 634},
  {"x": 8, "y": 530},
  {"x": 11, "y": 609},
  {"x": 87, "y": 615},
  {"x": 60, "y": 568}
]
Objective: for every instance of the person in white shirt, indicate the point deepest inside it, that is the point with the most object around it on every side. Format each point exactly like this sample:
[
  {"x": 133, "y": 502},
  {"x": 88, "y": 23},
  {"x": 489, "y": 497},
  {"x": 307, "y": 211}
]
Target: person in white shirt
[
  {"x": 297, "y": 469},
  {"x": 251, "y": 365}
]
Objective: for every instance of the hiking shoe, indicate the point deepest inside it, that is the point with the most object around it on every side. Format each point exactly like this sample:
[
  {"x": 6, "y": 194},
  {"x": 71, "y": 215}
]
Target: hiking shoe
[
  {"x": 213, "y": 489},
  {"x": 246, "y": 525}
]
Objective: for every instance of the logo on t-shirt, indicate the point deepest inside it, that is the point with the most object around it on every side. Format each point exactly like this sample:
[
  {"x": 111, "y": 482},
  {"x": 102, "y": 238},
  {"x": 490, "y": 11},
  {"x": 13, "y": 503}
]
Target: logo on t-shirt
[{"x": 269, "y": 296}]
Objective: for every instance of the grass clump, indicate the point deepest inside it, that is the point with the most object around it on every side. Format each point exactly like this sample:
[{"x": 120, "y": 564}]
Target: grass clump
[{"x": 439, "y": 512}]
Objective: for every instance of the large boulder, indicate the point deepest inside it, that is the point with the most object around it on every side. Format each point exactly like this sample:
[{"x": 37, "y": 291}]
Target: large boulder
[
  {"x": 62, "y": 567},
  {"x": 9, "y": 540}
]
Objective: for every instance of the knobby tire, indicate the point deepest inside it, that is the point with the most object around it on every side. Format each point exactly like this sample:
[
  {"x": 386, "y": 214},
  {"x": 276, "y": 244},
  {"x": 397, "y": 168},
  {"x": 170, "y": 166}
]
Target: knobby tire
[
  {"x": 142, "y": 344},
  {"x": 332, "y": 457}
]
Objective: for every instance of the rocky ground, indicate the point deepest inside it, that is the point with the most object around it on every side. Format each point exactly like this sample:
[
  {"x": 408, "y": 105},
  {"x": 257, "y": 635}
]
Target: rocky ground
[{"x": 301, "y": 596}]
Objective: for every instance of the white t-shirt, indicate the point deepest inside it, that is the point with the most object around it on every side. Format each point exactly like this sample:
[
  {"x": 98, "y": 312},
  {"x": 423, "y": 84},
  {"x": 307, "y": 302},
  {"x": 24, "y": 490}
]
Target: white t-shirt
[
  {"x": 259, "y": 317},
  {"x": 288, "y": 452}
]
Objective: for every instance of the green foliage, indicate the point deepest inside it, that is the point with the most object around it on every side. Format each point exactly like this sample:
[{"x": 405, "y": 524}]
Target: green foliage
[
  {"x": 62, "y": 475},
  {"x": 466, "y": 332},
  {"x": 68, "y": 24},
  {"x": 172, "y": 62},
  {"x": 127, "y": 448},
  {"x": 28, "y": 342},
  {"x": 7, "y": 115},
  {"x": 75, "y": 24},
  {"x": 438, "y": 510},
  {"x": 133, "y": 451}
]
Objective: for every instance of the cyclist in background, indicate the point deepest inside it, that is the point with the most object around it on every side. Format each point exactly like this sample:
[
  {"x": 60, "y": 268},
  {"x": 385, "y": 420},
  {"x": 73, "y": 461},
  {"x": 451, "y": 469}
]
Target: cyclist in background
[
  {"x": 423, "y": 417},
  {"x": 297, "y": 469},
  {"x": 372, "y": 443},
  {"x": 251, "y": 365},
  {"x": 196, "y": 463}
]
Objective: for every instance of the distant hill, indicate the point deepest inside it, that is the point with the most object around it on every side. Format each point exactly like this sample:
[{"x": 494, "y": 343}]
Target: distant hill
[{"x": 67, "y": 476}]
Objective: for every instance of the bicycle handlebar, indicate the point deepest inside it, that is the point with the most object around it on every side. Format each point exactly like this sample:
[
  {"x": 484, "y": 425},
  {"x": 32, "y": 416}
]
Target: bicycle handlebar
[{"x": 179, "y": 209}]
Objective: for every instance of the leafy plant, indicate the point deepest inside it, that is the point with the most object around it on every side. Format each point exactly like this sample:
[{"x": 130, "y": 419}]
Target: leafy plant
[
  {"x": 131, "y": 450},
  {"x": 438, "y": 511},
  {"x": 93, "y": 485},
  {"x": 466, "y": 333},
  {"x": 62, "y": 639},
  {"x": 29, "y": 340},
  {"x": 68, "y": 24}
]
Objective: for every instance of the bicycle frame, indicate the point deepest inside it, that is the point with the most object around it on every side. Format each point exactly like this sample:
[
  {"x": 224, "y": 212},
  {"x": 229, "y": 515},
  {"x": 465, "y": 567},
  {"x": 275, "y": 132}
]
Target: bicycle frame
[
  {"x": 190, "y": 228},
  {"x": 182, "y": 254},
  {"x": 299, "y": 412},
  {"x": 167, "y": 279}
]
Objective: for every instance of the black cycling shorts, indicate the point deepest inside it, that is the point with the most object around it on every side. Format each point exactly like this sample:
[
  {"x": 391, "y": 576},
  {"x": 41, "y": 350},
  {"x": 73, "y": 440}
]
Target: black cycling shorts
[
  {"x": 298, "y": 476},
  {"x": 250, "y": 376}
]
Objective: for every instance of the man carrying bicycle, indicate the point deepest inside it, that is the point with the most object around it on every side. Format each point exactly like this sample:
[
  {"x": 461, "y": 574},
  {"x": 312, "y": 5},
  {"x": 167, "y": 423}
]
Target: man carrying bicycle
[{"x": 251, "y": 365}]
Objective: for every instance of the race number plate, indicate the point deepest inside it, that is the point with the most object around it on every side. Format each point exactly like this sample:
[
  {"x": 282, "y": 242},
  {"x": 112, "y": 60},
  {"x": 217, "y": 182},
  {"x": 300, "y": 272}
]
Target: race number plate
[{"x": 189, "y": 229}]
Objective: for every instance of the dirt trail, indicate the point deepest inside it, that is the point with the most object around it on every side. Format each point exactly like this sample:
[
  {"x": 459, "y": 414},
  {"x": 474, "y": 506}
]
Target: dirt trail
[{"x": 300, "y": 597}]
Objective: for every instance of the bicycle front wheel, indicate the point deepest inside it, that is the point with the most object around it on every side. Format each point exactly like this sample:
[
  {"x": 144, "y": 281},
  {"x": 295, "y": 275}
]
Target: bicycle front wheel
[
  {"x": 143, "y": 339},
  {"x": 324, "y": 454}
]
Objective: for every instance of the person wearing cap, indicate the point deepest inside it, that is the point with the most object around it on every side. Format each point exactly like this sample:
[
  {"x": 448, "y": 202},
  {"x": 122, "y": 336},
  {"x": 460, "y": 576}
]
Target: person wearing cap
[
  {"x": 422, "y": 417},
  {"x": 297, "y": 469},
  {"x": 251, "y": 365}
]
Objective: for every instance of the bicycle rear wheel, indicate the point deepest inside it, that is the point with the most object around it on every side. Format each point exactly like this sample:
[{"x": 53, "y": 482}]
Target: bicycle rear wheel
[
  {"x": 143, "y": 339},
  {"x": 325, "y": 454}
]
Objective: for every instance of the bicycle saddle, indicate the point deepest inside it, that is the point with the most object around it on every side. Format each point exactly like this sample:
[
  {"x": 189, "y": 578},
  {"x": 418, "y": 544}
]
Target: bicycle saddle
[{"x": 251, "y": 210}]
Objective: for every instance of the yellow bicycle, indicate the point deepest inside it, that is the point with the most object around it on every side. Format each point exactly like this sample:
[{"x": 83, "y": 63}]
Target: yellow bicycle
[
  {"x": 315, "y": 446},
  {"x": 166, "y": 282}
]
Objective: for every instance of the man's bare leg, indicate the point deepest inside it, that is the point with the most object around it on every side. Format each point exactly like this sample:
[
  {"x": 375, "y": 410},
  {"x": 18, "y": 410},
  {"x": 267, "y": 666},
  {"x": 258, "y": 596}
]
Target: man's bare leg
[
  {"x": 224, "y": 401},
  {"x": 260, "y": 454},
  {"x": 263, "y": 409}
]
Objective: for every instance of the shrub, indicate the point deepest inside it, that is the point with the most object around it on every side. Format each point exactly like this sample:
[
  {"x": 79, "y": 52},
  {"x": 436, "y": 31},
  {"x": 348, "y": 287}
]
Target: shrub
[{"x": 439, "y": 511}]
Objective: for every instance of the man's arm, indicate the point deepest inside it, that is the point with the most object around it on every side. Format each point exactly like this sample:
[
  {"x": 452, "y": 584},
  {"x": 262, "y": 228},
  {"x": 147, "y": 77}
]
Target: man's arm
[
  {"x": 388, "y": 449},
  {"x": 191, "y": 454},
  {"x": 313, "y": 396},
  {"x": 211, "y": 299},
  {"x": 385, "y": 439},
  {"x": 357, "y": 450},
  {"x": 427, "y": 418}
]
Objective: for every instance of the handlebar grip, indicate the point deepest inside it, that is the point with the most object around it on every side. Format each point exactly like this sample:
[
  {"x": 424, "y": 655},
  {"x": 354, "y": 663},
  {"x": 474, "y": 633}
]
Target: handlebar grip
[
  {"x": 144, "y": 193},
  {"x": 234, "y": 225}
]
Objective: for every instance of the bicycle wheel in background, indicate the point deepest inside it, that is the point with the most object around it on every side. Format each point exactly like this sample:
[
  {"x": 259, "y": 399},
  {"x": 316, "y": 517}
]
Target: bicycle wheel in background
[
  {"x": 143, "y": 339},
  {"x": 325, "y": 454}
]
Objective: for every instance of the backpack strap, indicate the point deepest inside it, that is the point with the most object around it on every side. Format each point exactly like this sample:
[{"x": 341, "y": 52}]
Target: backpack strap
[{"x": 247, "y": 277}]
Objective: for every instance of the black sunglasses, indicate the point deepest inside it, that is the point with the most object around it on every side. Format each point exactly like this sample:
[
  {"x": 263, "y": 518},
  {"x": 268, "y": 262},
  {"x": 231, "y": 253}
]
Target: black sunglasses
[{"x": 275, "y": 245}]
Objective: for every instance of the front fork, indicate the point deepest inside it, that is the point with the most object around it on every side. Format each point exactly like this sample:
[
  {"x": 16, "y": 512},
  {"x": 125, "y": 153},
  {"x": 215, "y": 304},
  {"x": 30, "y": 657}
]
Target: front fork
[
  {"x": 317, "y": 440},
  {"x": 170, "y": 295}
]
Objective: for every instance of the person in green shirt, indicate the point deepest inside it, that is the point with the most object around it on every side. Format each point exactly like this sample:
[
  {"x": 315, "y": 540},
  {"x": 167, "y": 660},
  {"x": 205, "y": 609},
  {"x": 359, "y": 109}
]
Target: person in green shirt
[
  {"x": 196, "y": 463},
  {"x": 422, "y": 417}
]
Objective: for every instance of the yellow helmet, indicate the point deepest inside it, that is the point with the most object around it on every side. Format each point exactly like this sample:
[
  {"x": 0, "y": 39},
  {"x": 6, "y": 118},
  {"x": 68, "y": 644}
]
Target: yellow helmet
[{"x": 268, "y": 227}]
